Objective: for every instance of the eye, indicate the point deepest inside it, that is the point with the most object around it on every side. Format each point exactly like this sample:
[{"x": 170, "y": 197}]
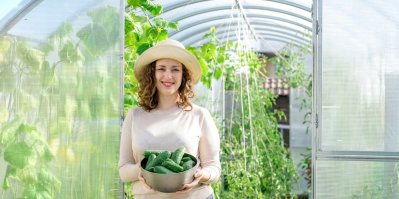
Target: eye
[{"x": 161, "y": 69}]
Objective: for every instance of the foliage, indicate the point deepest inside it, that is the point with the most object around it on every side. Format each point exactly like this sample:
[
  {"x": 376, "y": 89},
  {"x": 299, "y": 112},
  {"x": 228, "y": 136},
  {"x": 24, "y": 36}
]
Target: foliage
[
  {"x": 50, "y": 101},
  {"x": 25, "y": 151},
  {"x": 141, "y": 32},
  {"x": 213, "y": 58},
  {"x": 290, "y": 65},
  {"x": 255, "y": 163}
]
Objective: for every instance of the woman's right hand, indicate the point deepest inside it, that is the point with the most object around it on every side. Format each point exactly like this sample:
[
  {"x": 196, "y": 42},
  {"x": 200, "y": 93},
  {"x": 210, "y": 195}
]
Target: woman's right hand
[{"x": 141, "y": 178}]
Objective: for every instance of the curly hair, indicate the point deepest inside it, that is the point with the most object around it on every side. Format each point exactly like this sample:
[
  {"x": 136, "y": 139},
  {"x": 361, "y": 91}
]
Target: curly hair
[{"x": 148, "y": 93}]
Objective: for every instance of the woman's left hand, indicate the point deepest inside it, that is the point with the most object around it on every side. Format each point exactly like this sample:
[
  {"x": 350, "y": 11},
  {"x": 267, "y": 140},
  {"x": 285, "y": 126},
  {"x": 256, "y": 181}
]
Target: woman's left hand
[{"x": 199, "y": 176}]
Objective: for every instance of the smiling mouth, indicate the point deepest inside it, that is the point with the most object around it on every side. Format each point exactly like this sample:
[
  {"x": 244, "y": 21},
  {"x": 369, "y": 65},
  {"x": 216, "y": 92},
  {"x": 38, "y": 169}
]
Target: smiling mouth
[{"x": 167, "y": 84}]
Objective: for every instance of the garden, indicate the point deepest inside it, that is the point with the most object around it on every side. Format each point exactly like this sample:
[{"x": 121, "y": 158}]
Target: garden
[{"x": 67, "y": 81}]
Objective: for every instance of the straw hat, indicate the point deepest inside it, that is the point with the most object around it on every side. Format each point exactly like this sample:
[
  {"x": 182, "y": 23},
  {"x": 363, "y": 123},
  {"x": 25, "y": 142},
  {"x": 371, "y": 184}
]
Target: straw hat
[{"x": 171, "y": 49}]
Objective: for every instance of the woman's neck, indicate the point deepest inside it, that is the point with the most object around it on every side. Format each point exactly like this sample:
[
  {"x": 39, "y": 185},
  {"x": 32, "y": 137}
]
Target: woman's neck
[{"x": 167, "y": 102}]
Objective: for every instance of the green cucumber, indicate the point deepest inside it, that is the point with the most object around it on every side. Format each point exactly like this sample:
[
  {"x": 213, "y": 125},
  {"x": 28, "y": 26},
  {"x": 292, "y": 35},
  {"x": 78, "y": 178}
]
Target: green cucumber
[
  {"x": 188, "y": 165},
  {"x": 149, "y": 164},
  {"x": 170, "y": 164},
  {"x": 161, "y": 158},
  {"x": 185, "y": 159},
  {"x": 162, "y": 170},
  {"x": 147, "y": 153},
  {"x": 177, "y": 155}
]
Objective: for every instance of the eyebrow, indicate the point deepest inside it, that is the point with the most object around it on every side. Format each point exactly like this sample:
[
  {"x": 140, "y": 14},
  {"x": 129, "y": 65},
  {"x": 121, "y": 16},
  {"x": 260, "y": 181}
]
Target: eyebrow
[{"x": 174, "y": 66}]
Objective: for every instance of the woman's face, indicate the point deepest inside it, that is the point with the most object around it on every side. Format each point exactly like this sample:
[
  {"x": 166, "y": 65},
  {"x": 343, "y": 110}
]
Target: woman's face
[{"x": 168, "y": 76}]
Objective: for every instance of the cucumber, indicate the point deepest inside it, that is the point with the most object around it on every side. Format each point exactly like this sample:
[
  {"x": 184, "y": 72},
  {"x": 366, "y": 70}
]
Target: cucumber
[
  {"x": 177, "y": 155},
  {"x": 147, "y": 153},
  {"x": 170, "y": 164},
  {"x": 161, "y": 158},
  {"x": 149, "y": 161},
  {"x": 185, "y": 159},
  {"x": 188, "y": 165},
  {"x": 162, "y": 169}
]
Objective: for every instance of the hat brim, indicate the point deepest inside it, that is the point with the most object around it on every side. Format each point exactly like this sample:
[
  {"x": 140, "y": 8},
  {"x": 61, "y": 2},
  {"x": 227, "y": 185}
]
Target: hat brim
[{"x": 168, "y": 52}]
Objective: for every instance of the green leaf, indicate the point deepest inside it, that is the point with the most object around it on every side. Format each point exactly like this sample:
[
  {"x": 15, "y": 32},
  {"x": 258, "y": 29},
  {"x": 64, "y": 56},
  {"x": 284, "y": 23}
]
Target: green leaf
[
  {"x": 152, "y": 33},
  {"x": 133, "y": 3},
  {"x": 163, "y": 35},
  {"x": 8, "y": 131},
  {"x": 218, "y": 73},
  {"x": 95, "y": 39},
  {"x": 18, "y": 155},
  {"x": 48, "y": 179},
  {"x": 29, "y": 56},
  {"x": 173, "y": 25},
  {"x": 107, "y": 17},
  {"x": 204, "y": 66},
  {"x": 154, "y": 8},
  {"x": 68, "y": 53},
  {"x": 142, "y": 48}
]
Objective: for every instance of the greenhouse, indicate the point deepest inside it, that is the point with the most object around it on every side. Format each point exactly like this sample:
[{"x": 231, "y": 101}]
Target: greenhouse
[{"x": 301, "y": 92}]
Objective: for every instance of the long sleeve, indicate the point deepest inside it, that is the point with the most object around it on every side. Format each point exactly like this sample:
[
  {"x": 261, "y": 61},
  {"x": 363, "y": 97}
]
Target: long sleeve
[
  {"x": 209, "y": 148},
  {"x": 128, "y": 169}
]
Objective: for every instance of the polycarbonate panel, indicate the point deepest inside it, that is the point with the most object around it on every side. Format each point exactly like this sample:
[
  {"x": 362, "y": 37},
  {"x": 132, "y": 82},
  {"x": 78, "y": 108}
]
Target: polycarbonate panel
[
  {"x": 60, "y": 102},
  {"x": 357, "y": 180},
  {"x": 360, "y": 75}
]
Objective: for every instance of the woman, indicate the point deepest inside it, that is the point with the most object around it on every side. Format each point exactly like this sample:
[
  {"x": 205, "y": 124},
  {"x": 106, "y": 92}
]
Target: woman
[{"x": 166, "y": 119}]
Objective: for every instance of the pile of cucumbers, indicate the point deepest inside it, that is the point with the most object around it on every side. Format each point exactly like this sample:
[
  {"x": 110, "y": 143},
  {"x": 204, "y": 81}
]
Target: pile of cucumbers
[{"x": 167, "y": 162}]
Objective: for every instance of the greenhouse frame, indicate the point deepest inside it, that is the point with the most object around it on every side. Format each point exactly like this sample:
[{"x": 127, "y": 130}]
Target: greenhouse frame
[{"x": 303, "y": 93}]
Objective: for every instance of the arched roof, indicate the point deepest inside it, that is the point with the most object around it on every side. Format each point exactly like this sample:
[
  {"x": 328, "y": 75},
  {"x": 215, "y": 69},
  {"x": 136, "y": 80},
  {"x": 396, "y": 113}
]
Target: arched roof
[{"x": 269, "y": 24}]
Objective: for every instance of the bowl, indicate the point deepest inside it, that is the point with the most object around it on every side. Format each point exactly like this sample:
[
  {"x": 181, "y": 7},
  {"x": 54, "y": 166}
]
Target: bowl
[{"x": 169, "y": 183}]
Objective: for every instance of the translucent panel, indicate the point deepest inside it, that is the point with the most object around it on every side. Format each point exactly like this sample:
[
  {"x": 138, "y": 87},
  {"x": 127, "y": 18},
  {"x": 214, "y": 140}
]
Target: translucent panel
[
  {"x": 357, "y": 180},
  {"x": 360, "y": 75},
  {"x": 60, "y": 102},
  {"x": 8, "y": 6},
  {"x": 33, "y": 26}
]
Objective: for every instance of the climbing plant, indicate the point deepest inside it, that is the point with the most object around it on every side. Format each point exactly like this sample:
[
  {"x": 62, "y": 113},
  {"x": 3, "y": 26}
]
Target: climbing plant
[
  {"x": 50, "y": 105},
  {"x": 255, "y": 163}
]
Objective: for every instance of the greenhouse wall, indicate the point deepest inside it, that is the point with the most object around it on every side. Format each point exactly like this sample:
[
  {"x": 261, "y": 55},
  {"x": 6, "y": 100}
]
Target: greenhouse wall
[
  {"x": 60, "y": 99},
  {"x": 358, "y": 148}
]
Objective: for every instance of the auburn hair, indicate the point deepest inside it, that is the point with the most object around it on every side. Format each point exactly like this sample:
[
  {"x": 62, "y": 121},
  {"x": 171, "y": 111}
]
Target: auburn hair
[{"x": 148, "y": 93}]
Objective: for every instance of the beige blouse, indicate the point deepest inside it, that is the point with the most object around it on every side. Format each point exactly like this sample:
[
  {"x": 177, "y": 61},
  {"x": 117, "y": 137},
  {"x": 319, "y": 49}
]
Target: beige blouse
[{"x": 167, "y": 130}]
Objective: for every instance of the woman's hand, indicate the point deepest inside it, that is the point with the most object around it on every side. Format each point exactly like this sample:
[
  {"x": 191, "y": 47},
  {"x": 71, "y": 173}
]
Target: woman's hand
[
  {"x": 199, "y": 176},
  {"x": 141, "y": 178}
]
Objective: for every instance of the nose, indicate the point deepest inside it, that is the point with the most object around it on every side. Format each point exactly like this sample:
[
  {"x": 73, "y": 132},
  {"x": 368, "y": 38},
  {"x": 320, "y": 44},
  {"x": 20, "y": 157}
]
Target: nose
[{"x": 168, "y": 74}]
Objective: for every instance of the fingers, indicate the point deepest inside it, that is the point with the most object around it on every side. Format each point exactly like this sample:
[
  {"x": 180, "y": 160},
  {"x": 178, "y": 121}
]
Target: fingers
[{"x": 188, "y": 187}]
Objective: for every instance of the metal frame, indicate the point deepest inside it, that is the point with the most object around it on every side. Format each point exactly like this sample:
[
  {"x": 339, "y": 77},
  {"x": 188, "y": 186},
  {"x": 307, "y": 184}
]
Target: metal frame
[
  {"x": 223, "y": 28},
  {"x": 211, "y": 19},
  {"x": 288, "y": 3},
  {"x": 245, "y": 7},
  {"x": 265, "y": 35},
  {"x": 316, "y": 104},
  {"x": 231, "y": 37}
]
